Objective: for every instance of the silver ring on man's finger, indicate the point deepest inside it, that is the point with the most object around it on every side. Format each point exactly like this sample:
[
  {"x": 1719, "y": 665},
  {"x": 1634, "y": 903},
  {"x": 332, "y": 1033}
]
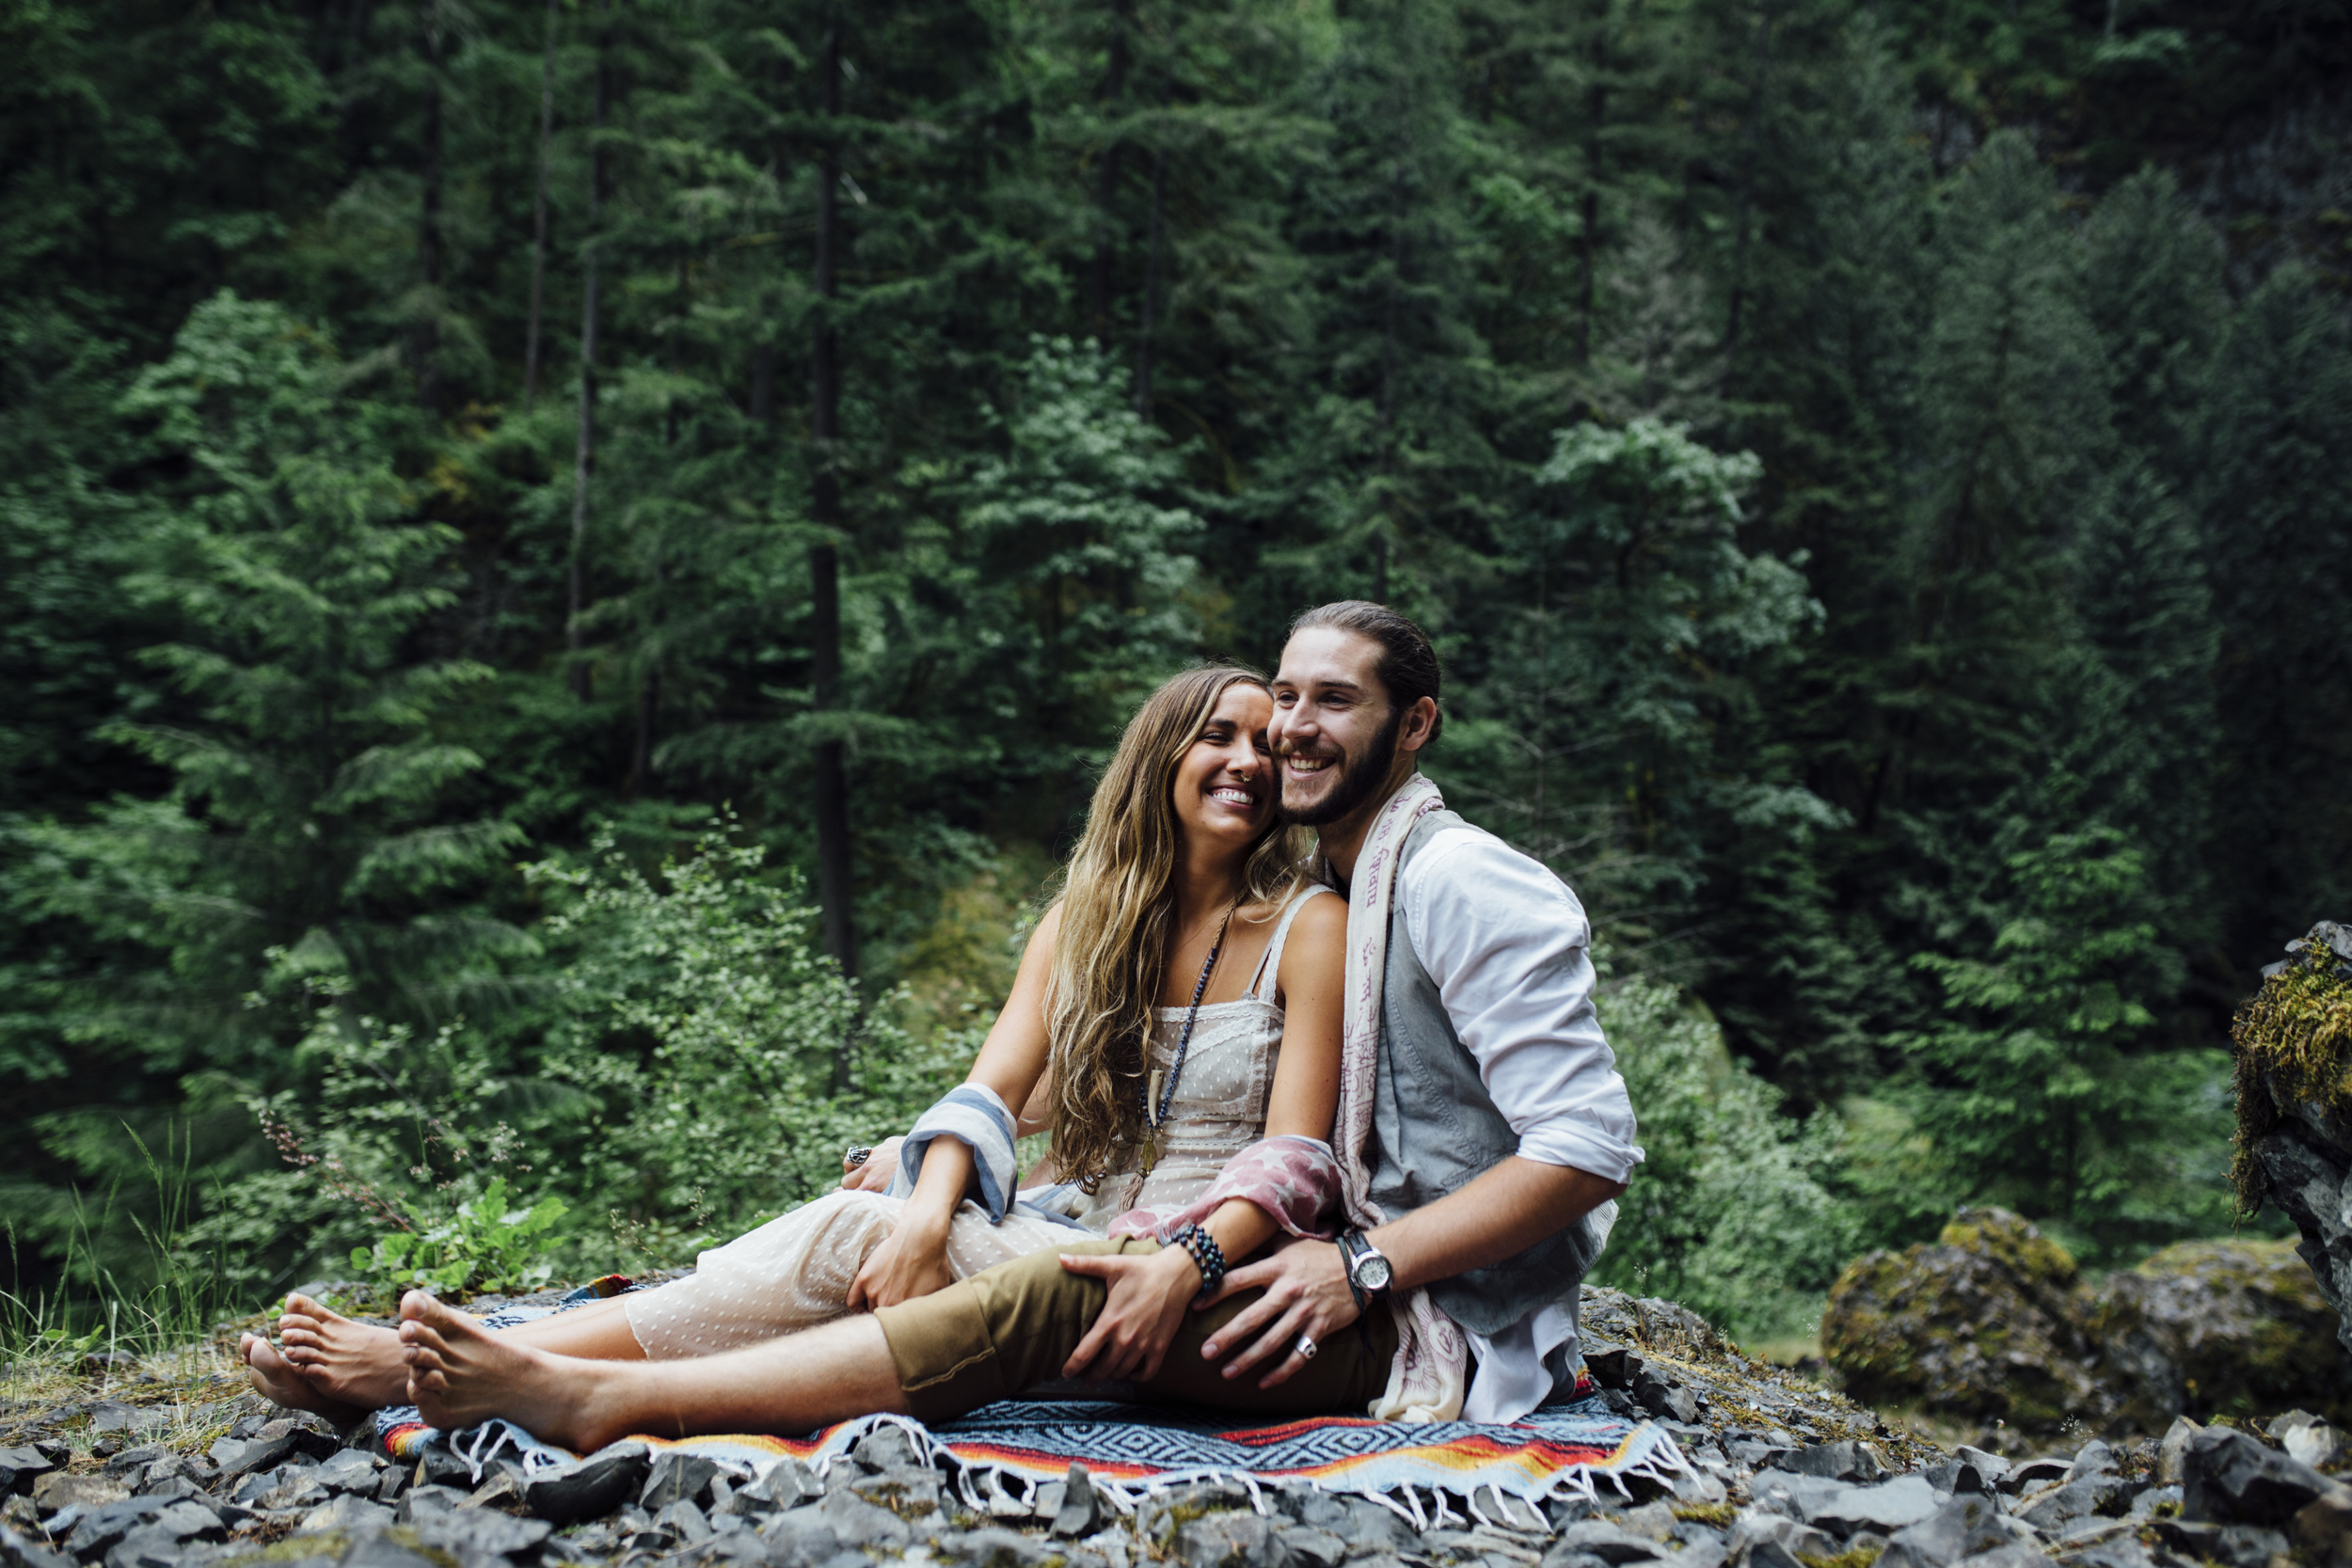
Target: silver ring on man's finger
[
  {"x": 854, "y": 1156},
  {"x": 1307, "y": 1347}
]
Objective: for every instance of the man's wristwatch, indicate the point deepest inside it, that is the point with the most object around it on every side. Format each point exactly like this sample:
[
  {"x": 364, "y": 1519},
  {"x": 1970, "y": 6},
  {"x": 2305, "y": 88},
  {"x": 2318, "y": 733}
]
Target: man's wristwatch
[{"x": 1369, "y": 1270}]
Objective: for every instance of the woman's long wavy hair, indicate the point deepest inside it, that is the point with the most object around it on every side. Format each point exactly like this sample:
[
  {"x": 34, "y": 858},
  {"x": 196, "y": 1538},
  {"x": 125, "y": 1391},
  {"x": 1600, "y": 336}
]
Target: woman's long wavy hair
[{"x": 1119, "y": 916}]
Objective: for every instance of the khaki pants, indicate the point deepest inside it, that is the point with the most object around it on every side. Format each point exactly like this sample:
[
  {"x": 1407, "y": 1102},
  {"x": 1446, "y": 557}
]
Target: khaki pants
[{"x": 997, "y": 1333}]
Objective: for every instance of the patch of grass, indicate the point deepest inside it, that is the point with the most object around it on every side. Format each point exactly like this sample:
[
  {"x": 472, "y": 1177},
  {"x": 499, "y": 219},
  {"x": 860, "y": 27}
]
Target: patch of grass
[{"x": 1719, "y": 1515}]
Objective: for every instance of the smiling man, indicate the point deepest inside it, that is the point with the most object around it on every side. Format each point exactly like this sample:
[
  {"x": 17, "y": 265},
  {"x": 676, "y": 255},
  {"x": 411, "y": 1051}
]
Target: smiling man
[{"x": 1490, "y": 1131}]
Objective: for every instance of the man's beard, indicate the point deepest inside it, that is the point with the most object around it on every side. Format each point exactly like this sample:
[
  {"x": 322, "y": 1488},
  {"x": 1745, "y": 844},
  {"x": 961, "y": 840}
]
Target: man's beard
[{"x": 1358, "y": 778}]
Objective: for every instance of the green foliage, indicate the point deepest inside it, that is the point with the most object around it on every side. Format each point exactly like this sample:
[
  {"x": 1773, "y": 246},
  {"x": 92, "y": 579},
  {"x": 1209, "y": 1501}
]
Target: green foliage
[
  {"x": 2043, "y": 1086},
  {"x": 482, "y": 1245},
  {"x": 1736, "y": 1212}
]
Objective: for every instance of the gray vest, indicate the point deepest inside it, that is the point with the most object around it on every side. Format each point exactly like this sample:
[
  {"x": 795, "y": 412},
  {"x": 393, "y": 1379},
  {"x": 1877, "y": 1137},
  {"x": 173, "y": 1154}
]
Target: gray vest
[{"x": 1435, "y": 1128}]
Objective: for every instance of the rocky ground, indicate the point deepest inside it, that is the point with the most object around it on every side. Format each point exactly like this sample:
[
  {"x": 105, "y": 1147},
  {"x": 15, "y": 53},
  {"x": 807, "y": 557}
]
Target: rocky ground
[{"x": 136, "y": 1467}]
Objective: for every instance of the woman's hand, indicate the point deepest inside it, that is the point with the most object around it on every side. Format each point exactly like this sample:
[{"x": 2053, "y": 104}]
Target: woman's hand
[
  {"x": 875, "y": 1174},
  {"x": 912, "y": 1261},
  {"x": 1148, "y": 1297}
]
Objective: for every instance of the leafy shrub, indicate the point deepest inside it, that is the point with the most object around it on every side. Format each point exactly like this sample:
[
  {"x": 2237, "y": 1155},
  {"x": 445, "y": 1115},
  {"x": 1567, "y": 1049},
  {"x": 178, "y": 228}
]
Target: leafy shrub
[
  {"x": 673, "y": 1071},
  {"x": 1734, "y": 1214},
  {"x": 482, "y": 1245}
]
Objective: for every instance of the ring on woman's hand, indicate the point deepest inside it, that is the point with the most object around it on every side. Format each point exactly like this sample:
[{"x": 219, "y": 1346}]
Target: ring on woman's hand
[
  {"x": 855, "y": 1155},
  {"x": 1307, "y": 1347}
]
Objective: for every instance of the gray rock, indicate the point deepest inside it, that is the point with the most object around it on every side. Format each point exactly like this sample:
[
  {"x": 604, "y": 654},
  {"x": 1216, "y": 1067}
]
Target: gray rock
[
  {"x": 346, "y": 1513},
  {"x": 2231, "y": 1546},
  {"x": 2148, "y": 1501},
  {"x": 1558, "y": 1557},
  {"x": 859, "y": 1524},
  {"x": 1840, "y": 1461},
  {"x": 420, "y": 1502},
  {"x": 225, "y": 1449},
  {"x": 17, "y": 1551},
  {"x": 589, "y": 1488},
  {"x": 469, "y": 1533},
  {"x": 887, "y": 1448},
  {"x": 2174, "y": 1450},
  {"x": 992, "y": 1547},
  {"x": 1761, "y": 1539},
  {"x": 683, "y": 1523},
  {"x": 502, "y": 1489},
  {"x": 2030, "y": 1473},
  {"x": 312, "y": 1435},
  {"x": 1992, "y": 1466},
  {"x": 1886, "y": 1508},
  {"x": 2006, "y": 1556},
  {"x": 2093, "y": 1458},
  {"x": 1613, "y": 1365},
  {"x": 1229, "y": 1540},
  {"x": 1373, "y": 1531},
  {"x": 394, "y": 1481},
  {"x": 1081, "y": 1509},
  {"x": 1666, "y": 1396},
  {"x": 1970, "y": 1524},
  {"x": 1311, "y": 1548},
  {"x": 786, "y": 1483},
  {"x": 1160, "y": 1514},
  {"x": 2076, "y": 1499},
  {"x": 95, "y": 1530},
  {"x": 381, "y": 1551},
  {"x": 256, "y": 1457},
  {"x": 800, "y": 1538},
  {"x": 1307, "y": 1505},
  {"x": 908, "y": 1493},
  {"x": 673, "y": 1475},
  {"x": 2315, "y": 1444},
  {"x": 2231, "y": 1478},
  {"x": 131, "y": 1462},
  {"x": 350, "y": 1471},
  {"x": 1610, "y": 1543},
  {"x": 437, "y": 1466}
]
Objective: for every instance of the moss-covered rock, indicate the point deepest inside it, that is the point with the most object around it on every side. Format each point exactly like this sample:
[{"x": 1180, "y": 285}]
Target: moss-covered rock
[
  {"x": 2293, "y": 1041},
  {"x": 1986, "y": 1323},
  {"x": 2218, "y": 1329}
]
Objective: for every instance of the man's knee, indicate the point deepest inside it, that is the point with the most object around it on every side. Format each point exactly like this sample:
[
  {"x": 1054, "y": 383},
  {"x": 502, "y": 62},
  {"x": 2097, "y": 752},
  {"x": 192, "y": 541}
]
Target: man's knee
[{"x": 999, "y": 1332}]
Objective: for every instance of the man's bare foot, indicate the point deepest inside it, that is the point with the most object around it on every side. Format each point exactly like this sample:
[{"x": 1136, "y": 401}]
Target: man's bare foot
[
  {"x": 461, "y": 1374},
  {"x": 274, "y": 1378},
  {"x": 356, "y": 1362}
]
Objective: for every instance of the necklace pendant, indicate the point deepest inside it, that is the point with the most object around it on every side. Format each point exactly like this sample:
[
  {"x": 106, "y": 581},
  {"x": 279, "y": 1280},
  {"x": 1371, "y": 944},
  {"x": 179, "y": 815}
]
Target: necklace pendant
[{"x": 1150, "y": 1152}]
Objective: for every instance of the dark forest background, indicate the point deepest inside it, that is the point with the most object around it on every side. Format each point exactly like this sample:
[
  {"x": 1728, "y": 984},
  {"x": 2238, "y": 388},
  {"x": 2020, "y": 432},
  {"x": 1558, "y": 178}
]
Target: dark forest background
[{"x": 539, "y": 540}]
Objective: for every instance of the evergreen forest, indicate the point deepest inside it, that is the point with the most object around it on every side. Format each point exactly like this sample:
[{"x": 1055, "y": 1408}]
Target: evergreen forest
[{"x": 566, "y": 566}]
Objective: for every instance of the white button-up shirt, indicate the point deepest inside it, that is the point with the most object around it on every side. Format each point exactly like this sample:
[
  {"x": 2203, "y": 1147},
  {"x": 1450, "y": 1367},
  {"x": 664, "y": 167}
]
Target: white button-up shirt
[{"x": 1509, "y": 949}]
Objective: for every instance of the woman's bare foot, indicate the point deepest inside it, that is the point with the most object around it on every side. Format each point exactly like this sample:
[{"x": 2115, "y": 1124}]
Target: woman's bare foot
[
  {"x": 461, "y": 1374},
  {"x": 276, "y": 1379},
  {"x": 356, "y": 1362}
]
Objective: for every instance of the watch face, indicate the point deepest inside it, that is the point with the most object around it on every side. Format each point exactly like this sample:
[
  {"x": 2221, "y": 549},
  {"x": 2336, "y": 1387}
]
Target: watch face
[{"x": 1373, "y": 1272}]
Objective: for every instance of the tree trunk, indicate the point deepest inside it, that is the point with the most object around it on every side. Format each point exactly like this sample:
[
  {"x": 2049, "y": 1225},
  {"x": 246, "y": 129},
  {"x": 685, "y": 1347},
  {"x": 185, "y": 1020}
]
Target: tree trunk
[
  {"x": 539, "y": 214},
  {"x": 1150, "y": 326},
  {"x": 428, "y": 326},
  {"x": 1106, "y": 186},
  {"x": 824, "y": 559},
  {"x": 584, "y": 448}
]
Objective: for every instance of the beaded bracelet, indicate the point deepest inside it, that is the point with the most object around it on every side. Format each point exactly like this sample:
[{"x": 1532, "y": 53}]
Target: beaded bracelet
[{"x": 1206, "y": 1256}]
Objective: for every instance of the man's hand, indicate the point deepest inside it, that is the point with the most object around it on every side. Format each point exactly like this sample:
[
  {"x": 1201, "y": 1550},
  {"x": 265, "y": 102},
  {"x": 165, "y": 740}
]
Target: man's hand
[
  {"x": 1148, "y": 1295},
  {"x": 875, "y": 1174},
  {"x": 910, "y": 1262},
  {"x": 1305, "y": 1292}
]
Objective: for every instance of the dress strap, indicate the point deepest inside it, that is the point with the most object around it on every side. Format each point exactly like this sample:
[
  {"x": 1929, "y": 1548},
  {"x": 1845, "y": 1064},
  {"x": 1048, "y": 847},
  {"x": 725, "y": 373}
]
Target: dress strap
[{"x": 1262, "y": 985}]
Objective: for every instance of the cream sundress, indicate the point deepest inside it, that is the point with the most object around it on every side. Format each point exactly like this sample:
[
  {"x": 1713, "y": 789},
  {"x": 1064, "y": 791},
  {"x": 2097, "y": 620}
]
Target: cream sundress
[{"x": 795, "y": 1272}]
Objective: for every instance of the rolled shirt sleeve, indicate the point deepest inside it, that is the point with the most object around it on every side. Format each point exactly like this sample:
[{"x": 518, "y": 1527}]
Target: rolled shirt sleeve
[{"x": 1510, "y": 951}]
